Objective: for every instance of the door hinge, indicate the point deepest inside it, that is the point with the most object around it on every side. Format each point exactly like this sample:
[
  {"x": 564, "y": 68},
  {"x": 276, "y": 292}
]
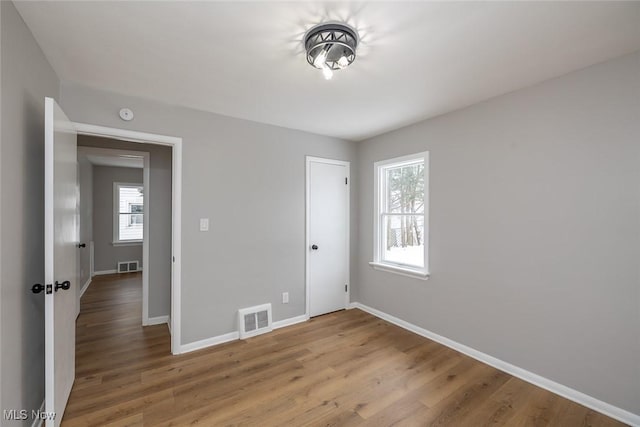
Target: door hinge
[
  {"x": 345, "y": 288},
  {"x": 346, "y": 181}
]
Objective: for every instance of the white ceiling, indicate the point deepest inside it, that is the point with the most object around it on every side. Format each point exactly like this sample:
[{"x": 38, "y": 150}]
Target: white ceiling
[{"x": 245, "y": 59}]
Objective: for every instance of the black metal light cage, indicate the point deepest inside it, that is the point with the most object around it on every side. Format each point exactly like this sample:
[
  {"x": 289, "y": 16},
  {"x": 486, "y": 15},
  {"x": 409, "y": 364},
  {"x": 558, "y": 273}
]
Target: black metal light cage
[{"x": 337, "y": 39}]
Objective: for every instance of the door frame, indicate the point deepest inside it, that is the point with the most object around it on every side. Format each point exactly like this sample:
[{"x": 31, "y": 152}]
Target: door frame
[
  {"x": 347, "y": 164},
  {"x": 175, "y": 318}
]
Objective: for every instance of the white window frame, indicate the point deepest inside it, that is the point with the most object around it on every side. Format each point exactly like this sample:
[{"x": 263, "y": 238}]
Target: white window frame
[
  {"x": 379, "y": 186},
  {"x": 116, "y": 214}
]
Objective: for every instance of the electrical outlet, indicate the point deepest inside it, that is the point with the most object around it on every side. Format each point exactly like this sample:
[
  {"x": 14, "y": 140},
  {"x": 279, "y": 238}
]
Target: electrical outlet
[
  {"x": 285, "y": 297},
  {"x": 204, "y": 224}
]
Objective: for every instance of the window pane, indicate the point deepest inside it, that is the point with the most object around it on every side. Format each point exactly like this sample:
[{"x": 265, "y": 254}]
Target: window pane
[
  {"x": 403, "y": 239},
  {"x": 131, "y": 199},
  {"x": 130, "y": 227},
  {"x": 405, "y": 189}
]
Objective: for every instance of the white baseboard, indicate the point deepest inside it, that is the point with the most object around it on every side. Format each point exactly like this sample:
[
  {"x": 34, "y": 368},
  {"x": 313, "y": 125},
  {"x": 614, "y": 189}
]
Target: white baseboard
[
  {"x": 156, "y": 320},
  {"x": 208, "y": 342},
  {"x": 85, "y": 286},
  {"x": 104, "y": 272},
  {"x": 535, "y": 379},
  {"x": 37, "y": 422},
  {"x": 169, "y": 324},
  {"x": 235, "y": 335},
  {"x": 290, "y": 321}
]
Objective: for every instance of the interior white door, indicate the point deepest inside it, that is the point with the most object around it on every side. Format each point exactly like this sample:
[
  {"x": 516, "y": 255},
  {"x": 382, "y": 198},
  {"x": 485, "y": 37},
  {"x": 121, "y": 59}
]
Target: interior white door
[
  {"x": 327, "y": 235},
  {"x": 60, "y": 240}
]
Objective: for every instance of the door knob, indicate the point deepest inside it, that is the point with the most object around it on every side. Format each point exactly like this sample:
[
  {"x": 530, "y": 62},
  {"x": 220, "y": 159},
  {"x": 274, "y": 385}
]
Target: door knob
[
  {"x": 64, "y": 285},
  {"x": 37, "y": 288},
  {"x": 314, "y": 247},
  {"x": 82, "y": 245}
]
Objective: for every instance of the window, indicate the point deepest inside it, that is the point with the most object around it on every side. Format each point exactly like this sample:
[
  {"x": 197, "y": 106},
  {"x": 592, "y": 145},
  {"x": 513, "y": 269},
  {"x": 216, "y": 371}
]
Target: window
[
  {"x": 128, "y": 215},
  {"x": 401, "y": 215}
]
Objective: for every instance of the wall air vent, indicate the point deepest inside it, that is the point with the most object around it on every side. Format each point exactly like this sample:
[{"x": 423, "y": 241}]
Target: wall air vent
[
  {"x": 128, "y": 266},
  {"x": 254, "y": 321}
]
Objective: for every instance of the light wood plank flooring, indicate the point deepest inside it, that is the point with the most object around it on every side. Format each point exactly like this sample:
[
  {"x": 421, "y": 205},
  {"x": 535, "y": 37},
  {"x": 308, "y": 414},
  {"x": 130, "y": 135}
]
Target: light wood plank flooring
[{"x": 342, "y": 369}]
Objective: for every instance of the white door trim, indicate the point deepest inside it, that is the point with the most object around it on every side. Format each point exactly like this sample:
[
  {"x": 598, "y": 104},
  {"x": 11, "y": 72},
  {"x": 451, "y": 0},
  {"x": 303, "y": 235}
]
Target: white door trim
[
  {"x": 347, "y": 164},
  {"x": 176, "y": 212}
]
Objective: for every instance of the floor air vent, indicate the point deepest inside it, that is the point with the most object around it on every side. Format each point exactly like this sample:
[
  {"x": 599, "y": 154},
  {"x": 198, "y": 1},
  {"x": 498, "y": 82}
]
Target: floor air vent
[
  {"x": 254, "y": 320},
  {"x": 128, "y": 266}
]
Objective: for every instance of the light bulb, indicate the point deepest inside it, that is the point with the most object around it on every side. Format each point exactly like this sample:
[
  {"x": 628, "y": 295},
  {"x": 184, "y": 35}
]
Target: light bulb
[
  {"x": 320, "y": 60},
  {"x": 343, "y": 62},
  {"x": 327, "y": 72}
]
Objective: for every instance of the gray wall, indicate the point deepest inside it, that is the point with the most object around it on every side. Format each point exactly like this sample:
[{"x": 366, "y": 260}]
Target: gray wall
[
  {"x": 1, "y": 181},
  {"x": 106, "y": 256},
  {"x": 27, "y": 78},
  {"x": 535, "y": 230},
  {"x": 85, "y": 181},
  {"x": 248, "y": 178},
  {"x": 1, "y": 289},
  {"x": 159, "y": 202}
]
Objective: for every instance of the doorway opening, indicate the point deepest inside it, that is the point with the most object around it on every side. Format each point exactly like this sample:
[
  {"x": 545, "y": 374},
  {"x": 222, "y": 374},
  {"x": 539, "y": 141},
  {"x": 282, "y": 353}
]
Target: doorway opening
[
  {"x": 114, "y": 216},
  {"x": 159, "y": 212}
]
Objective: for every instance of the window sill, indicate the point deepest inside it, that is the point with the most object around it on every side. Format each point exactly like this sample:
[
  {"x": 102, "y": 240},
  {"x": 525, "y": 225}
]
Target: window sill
[
  {"x": 403, "y": 271},
  {"x": 131, "y": 243}
]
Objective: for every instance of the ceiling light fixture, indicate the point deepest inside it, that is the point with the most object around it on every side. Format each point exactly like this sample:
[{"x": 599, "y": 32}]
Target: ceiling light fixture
[{"x": 331, "y": 47}]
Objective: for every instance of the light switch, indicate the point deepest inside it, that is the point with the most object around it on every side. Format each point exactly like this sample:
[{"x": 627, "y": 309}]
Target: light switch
[{"x": 204, "y": 224}]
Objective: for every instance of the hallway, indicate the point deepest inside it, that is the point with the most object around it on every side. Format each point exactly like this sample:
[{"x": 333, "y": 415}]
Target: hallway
[{"x": 114, "y": 350}]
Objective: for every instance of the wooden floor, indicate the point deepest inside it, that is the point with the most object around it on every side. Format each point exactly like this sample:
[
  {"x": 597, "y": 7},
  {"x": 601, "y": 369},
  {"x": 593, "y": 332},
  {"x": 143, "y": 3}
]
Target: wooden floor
[{"x": 346, "y": 368}]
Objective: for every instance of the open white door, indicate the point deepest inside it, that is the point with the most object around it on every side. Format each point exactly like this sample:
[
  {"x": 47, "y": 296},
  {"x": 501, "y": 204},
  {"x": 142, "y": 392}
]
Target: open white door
[
  {"x": 327, "y": 235},
  {"x": 60, "y": 240}
]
